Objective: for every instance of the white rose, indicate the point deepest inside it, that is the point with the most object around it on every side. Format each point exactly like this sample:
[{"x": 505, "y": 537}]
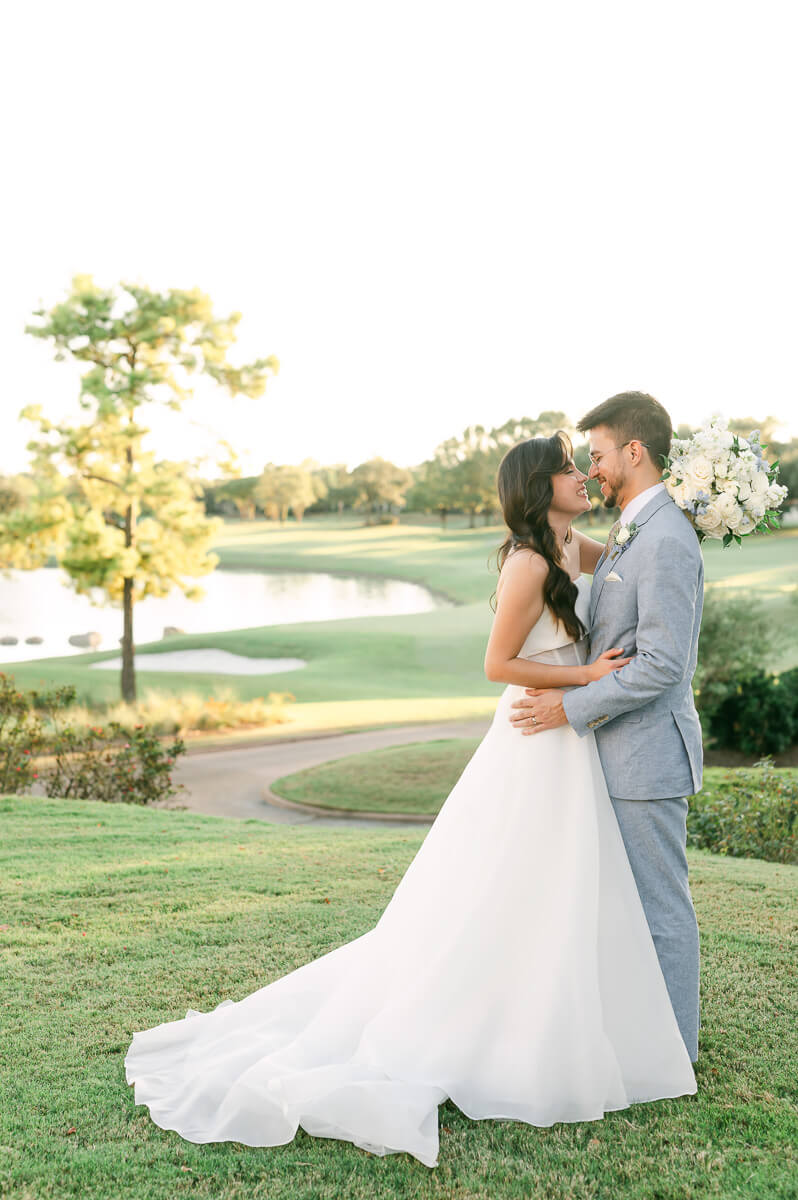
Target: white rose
[
  {"x": 700, "y": 472},
  {"x": 725, "y": 505},
  {"x": 622, "y": 535},
  {"x": 710, "y": 521},
  {"x": 759, "y": 483},
  {"x": 680, "y": 493},
  {"x": 747, "y": 523},
  {"x": 744, "y": 491},
  {"x": 734, "y": 519}
]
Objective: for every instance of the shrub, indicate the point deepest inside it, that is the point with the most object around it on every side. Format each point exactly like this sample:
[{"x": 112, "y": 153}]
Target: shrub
[
  {"x": 759, "y": 714},
  {"x": 22, "y": 733},
  {"x": 110, "y": 763},
  {"x": 167, "y": 713},
  {"x": 737, "y": 637},
  {"x": 39, "y": 749},
  {"x": 751, "y": 813}
]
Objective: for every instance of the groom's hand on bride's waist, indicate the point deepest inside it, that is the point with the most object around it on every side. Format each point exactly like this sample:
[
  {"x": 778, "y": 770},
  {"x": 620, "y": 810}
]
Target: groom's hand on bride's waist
[{"x": 539, "y": 709}]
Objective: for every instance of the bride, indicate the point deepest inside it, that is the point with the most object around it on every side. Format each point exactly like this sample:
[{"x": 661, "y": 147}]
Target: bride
[{"x": 513, "y": 970}]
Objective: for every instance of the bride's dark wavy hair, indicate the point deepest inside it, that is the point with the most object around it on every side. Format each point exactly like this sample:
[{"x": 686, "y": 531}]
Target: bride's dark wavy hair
[{"x": 525, "y": 494}]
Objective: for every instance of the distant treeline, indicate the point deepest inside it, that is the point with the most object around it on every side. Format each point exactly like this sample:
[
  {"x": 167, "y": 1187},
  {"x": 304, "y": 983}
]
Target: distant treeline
[{"x": 459, "y": 478}]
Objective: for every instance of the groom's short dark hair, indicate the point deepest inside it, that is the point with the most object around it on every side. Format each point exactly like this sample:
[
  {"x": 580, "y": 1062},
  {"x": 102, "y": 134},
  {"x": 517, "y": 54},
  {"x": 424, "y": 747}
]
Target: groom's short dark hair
[{"x": 633, "y": 416}]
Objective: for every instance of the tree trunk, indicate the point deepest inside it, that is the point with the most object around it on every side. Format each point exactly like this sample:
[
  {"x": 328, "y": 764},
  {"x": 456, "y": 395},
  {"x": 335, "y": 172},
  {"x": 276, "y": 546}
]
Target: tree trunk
[
  {"x": 128, "y": 649},
  {"x": 472, "y": 519}
]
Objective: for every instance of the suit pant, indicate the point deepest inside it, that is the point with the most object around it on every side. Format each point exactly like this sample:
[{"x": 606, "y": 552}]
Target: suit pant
[{"x": 654, "y": 833}]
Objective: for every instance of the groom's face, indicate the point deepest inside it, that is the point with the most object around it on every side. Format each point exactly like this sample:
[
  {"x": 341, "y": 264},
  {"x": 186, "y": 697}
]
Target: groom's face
[{"x": 608, "y": 463}]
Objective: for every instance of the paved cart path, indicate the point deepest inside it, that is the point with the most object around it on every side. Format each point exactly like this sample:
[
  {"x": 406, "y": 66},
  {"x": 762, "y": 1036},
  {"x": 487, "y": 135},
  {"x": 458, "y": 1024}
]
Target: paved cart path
[{"x": 236, "y": 782}]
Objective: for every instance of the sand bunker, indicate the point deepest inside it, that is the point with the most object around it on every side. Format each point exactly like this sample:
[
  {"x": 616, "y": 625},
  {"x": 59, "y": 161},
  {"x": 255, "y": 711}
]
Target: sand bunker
[{"x": 209, "y": 662}]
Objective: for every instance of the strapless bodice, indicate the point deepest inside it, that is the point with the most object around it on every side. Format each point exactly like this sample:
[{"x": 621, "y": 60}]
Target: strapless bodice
[{"x": 549, "y": 641}]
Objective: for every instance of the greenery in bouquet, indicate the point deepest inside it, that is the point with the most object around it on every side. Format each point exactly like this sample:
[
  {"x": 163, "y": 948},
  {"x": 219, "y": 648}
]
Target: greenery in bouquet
[{"x": 724, "y": 483}]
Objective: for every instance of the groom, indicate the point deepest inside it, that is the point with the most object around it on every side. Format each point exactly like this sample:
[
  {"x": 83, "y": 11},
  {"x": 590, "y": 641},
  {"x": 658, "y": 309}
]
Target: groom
[{"x": 647, "y": 597}]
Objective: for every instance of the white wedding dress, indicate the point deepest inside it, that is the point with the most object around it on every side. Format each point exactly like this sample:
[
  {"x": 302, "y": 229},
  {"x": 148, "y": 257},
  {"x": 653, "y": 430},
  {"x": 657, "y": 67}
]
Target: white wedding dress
[{"x": 513, "y": 971}]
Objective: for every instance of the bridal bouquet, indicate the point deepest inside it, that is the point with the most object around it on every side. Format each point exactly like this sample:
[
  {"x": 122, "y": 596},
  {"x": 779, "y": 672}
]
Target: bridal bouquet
[{"x": 724, "y": 483}]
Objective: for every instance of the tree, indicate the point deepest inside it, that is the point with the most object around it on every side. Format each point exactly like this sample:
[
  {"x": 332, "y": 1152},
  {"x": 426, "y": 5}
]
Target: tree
[
  {"x": 434, "y": 489},
  {"x": 281, "y": 488},
  {"x": 470, "y": 462},
  {"x": 240, "y": 493},
  {"x": 515, "y": 430},
  {"x": 474, "y": 483},
  {"x": 335, "y": 490},
  {"x": 380, "y": 485},
  {"x": 15, "y": 492},
  {"x": 117, "y": 517}
]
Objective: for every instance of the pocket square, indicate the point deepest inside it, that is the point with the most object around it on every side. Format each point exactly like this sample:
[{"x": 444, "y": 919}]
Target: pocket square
[{"x": 614, "y": 577}]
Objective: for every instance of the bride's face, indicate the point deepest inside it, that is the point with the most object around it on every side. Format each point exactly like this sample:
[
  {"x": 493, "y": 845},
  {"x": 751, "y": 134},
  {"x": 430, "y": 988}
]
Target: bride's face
[{"x": 570, "y": 491}]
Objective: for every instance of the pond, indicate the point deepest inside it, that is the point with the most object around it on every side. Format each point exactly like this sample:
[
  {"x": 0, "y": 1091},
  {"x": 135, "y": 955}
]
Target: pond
[{"x": 36, "y": 604}]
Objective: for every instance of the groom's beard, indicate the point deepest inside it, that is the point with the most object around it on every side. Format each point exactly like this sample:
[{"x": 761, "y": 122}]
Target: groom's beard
[{"x": 612, "y": 491}]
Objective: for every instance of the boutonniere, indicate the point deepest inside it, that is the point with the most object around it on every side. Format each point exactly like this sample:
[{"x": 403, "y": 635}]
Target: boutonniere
[{"x": 623, "y": 537}]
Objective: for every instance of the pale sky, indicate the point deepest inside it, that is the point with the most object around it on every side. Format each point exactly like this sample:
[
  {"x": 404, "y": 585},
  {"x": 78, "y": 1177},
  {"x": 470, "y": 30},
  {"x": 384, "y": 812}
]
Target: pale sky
[{"x": 434, "y": 212}]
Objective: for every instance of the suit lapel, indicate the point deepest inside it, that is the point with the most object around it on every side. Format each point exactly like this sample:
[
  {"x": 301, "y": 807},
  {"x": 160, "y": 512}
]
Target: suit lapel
[
  {"x": 600, "y": 575},
  {"x": 599, "y": 579}
]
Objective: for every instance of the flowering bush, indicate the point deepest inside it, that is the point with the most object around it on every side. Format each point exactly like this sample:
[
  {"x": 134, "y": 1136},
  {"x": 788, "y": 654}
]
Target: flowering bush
[
  {"x": 724, "y": 483},
  {"x": 22, "y": 732},
  {"x": 751, "y": 813},
  {"x": 107, "y": 762},
  {"x": 39, "y": 749}
]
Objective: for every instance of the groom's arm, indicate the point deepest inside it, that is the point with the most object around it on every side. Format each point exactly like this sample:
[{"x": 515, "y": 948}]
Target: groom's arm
[{"x": 667, "y": 594}]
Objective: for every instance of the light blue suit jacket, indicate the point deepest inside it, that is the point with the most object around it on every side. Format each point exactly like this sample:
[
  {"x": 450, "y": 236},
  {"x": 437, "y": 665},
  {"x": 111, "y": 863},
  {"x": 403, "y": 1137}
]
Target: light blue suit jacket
[{"x": 644, "y": 717}]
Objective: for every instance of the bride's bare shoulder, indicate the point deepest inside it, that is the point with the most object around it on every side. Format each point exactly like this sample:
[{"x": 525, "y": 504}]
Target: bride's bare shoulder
[{"x": 523, "y": 570}]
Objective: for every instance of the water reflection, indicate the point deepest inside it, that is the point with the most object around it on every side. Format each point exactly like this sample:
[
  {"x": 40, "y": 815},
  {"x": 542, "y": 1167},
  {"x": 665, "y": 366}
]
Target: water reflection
[{"x": 36, "y": 604}]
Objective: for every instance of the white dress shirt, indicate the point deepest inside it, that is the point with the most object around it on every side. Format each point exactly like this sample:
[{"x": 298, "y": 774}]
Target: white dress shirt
[{"x": 637, "y": 503}]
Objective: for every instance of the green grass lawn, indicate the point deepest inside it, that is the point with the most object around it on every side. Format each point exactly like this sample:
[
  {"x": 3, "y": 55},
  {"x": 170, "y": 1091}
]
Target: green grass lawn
[
  {"x": 114, "y": 919},
  {"x": 387, "y": 670},
  {"x": 415, "y": 778}
]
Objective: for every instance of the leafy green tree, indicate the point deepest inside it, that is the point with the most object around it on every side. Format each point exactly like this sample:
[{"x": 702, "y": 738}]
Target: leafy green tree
[
  {"x": 434, "y": 489},
  {"x": 240, "y": 493},
  {"x": 334, "y": 488},
  {"x": 474, "y": 481},
  {"x": 471, "y": 462},
  {"x": 521, "y": 429},
  {"x": 15, "y": 492},
  {"x": 280, "y": 488},
  {"x": 117, "y": 517},
  {"x": 381, "y": 485}
]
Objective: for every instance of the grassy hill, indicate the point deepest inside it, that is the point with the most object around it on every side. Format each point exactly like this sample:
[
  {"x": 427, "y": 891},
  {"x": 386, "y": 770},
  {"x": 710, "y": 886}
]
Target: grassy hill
[{"x": 113, "y": 919}]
